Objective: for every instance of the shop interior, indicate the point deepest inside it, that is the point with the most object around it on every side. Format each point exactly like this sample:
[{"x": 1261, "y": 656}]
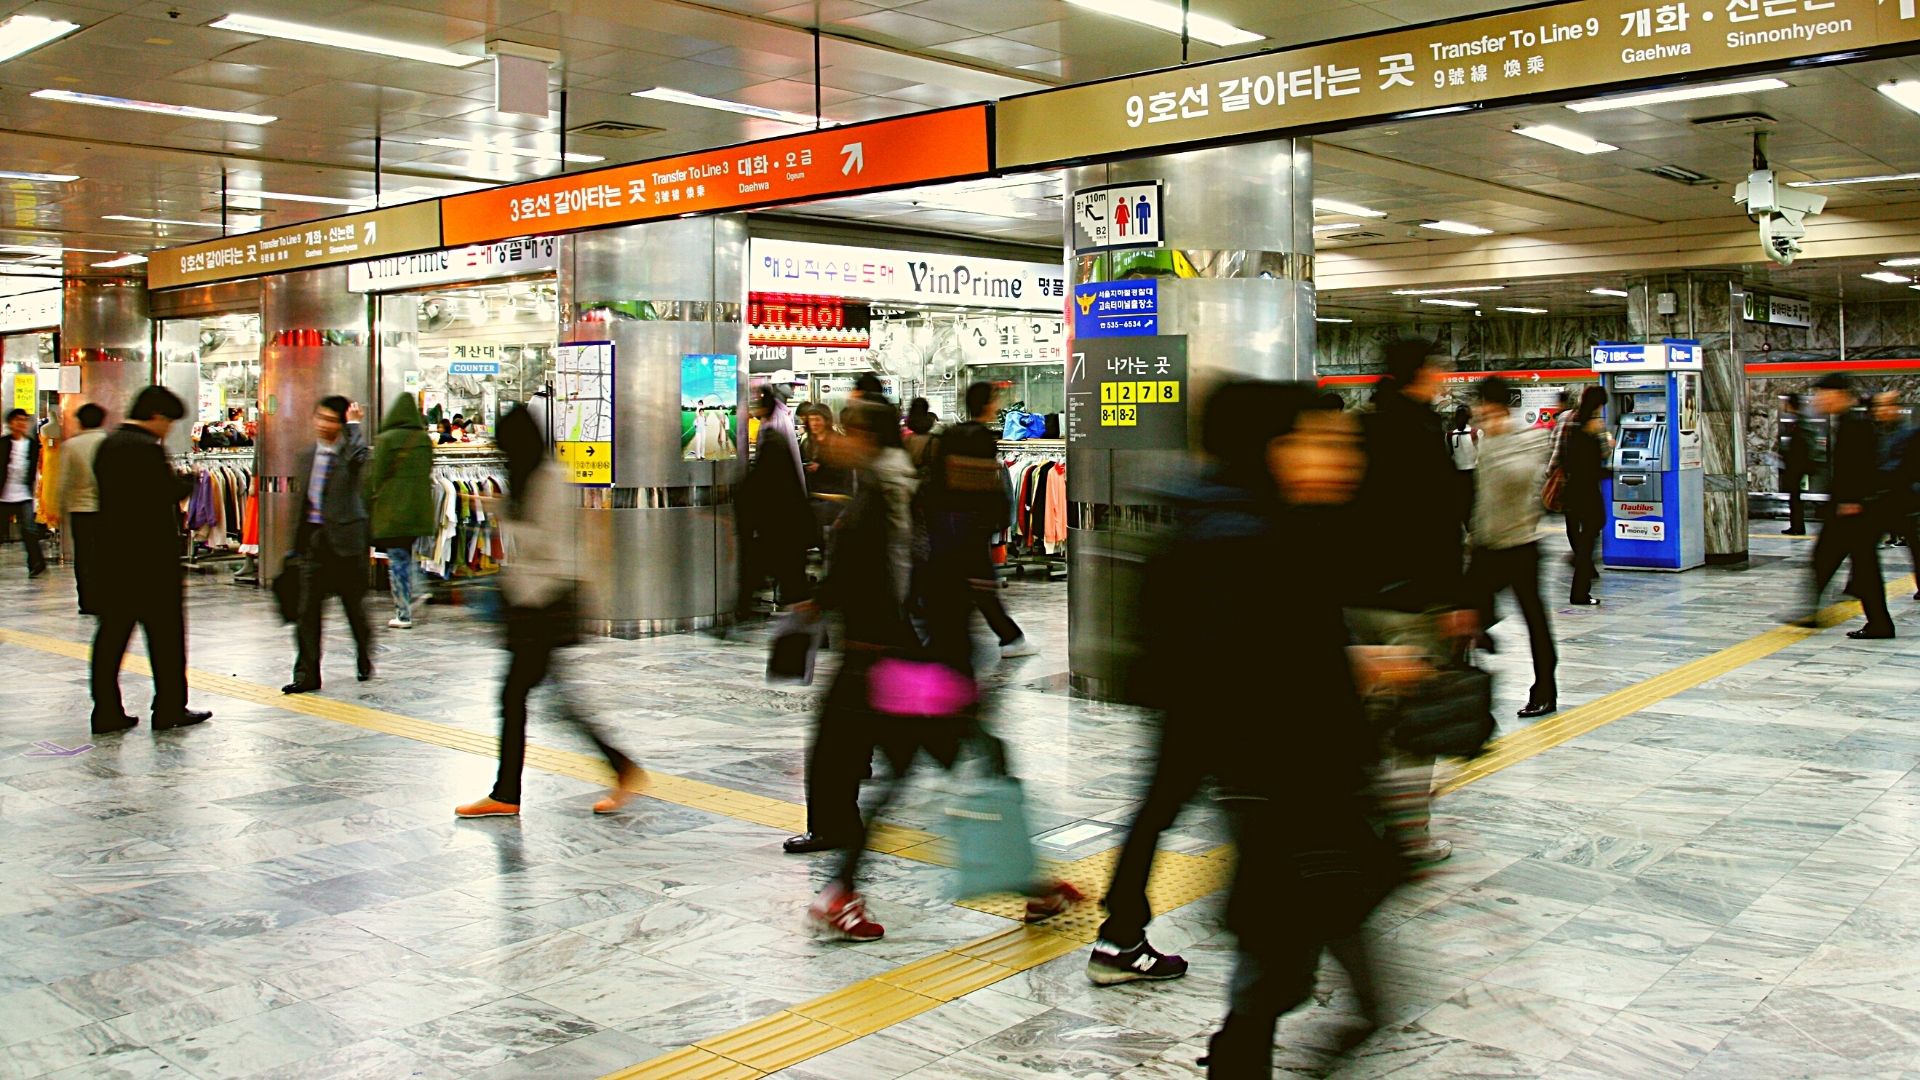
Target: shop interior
[{"x": 468, "y": 352}]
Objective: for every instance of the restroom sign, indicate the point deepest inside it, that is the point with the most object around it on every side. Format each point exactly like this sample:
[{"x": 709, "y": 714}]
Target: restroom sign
[{"x": 1118, "y": 216}]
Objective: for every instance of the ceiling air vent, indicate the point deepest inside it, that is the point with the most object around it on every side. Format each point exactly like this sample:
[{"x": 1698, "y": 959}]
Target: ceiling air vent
[
  {"x": 612, "y": 129},
  {"x": 1737, "y": 121},
  {"x": 1680, "y": 176}
]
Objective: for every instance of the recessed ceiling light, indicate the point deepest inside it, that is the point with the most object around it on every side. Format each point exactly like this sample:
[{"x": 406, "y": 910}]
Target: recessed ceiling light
[
  {"x": 1906, "y": 92},
  {"x": 124, "y": 260},
  {"x": 38, "y": 177},
  {"x": 188, "y": 112},
  {"x": 1901, "y": 262},
  {"x": 510, "y": 151},
  {"x": 1339, "y": 226},
  {"x": 1886, "y": 178},
  {"x": 1335, "y": 206},
  {"x": 1451, "y": 303},
  {"x": 25, "y": 33},
  {"x": 1607, "y": 292},
  {"x": 1331, "y": 319},
  {"x": 242, "y": 221},
  {"x": 283, "y": 196},
  {"x": 700, "y": 101},
  {"x": 1689, "y": 93},
  {"x": 1452, "y": 289},
  {"x": 1443, "y": 110},
  {"x": 1523, "y": 310},
  {"x": 1565, "y": 139},
  {"x": 1889, "y": 277},
  {"x": 1460, "y": 227},
  {"x": 1164, "y": 16},
  {"x": 341, "y": 39}
]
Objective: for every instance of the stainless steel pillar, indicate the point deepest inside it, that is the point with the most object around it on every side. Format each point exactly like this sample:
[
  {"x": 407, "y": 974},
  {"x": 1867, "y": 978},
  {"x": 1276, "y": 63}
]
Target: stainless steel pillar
[
  {"x": 1707, "y": 308},
  {"x": 1240, "y": 220},
  {"x": 106, "y": 331},
  {"x": 659, "y": 548},
  {"x": 314, "y": 342}
]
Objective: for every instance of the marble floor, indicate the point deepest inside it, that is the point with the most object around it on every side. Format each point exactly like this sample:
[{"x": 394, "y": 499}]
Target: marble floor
[{"x": 1720, "y": 884}]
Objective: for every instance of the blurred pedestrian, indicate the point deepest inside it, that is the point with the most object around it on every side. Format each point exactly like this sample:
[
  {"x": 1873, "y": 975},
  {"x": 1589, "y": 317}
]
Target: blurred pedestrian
[
  {"x": 1796, "y": 461},
  {"x": 1464, "y": 443},
  {"x": 331, "y": 539},
  {"x": 921, "y": 420},
  {"x": 1409, "y": 588},
  {"x": 776, "y": 524},
  {"x": 1505, "y": 532},
  {"x": 1852, "y": 529},
  {"x": 140, "y": 579},
  {"x": 829, "y": 486},
  {"x": 400, "y": 497},
  {"x": 1582, "y": 455},
  {"x": 80, "y": 502},
  {"x": 540, "y": 582},
  {"x": 1899, "y": 476},
  {"x": 16, "y": 487},
  {"x": 969, "y": 499}
]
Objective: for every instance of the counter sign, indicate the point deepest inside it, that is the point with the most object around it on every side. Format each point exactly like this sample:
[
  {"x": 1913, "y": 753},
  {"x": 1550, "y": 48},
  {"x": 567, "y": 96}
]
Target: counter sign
[{"x": 1128, "y": 394}]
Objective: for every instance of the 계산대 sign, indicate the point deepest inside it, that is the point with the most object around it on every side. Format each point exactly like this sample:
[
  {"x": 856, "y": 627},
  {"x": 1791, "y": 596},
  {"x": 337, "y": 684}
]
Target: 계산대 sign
[{"x": 1538, "y": 51}]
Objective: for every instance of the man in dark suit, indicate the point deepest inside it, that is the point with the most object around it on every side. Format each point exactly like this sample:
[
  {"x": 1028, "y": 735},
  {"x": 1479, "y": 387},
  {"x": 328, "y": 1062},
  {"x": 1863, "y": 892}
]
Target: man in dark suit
[
  {"x": 20, "y": 460},
  {"x": 1852, "y": 530},
  {"x": 331, "y": 542},
  {"x": 138, "y": 576}
]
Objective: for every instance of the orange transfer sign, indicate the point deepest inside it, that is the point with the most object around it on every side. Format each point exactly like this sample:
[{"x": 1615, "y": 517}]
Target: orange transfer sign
[{"x": 832, "y": 161}]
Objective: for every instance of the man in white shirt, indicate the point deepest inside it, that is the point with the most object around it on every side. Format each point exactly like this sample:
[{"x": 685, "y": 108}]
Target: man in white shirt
[
  {"x": 16, "y": 490},
  {"x": 80, "y": 501}
]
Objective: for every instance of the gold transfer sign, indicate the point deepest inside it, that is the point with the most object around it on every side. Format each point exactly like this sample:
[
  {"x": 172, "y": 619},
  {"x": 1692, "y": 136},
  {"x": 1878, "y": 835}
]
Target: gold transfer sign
[
  {"x": 1546, "y": 50},
  {"x": 396, "y": 230}
]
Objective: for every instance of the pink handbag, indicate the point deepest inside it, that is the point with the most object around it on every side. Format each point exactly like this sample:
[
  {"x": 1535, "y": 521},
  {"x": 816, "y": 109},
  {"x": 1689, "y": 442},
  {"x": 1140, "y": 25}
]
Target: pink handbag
[{"x": 919, "y": 688}]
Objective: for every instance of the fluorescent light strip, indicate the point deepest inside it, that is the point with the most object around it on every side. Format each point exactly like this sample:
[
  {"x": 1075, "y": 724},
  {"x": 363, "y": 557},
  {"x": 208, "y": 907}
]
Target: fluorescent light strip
[
  {"x": 1689, "y": 93},
  {"x": 241, "y": 221},
  {"x": 341, "y": 39},
  {"x": 1565, "y": 139},
  {"x": 124, "y": 260},
  {"x": 51, "y": 251},
  {"x": 700, "y": 101},
  {"x": 1523, "y": 310},
  {"x": 1460, "y": 227},
  {"x": 1339, "y": 226},
  {"x": 511, "y": 151},
  {"x": 25, "y": 33},
  {"x": 1452, "y": 303},
  {"x": 1335, "y": 206},
  {"x": 1889, "y": 277},
  {"x": 1902, "y": 262},
  {"x": 283, "y": 196},
  {"x": 1444, "y": 292},
  {"x": 1884, "y": 179},
  {"x": 37, "y": 177},
  {"x": 1164, "y": 16},
  {"x": 1607, "y": 292},
  {"x": 186, "y": 112},
  {"x": 1330, "y": 319},
  {"x": 1904, "y": 91}
]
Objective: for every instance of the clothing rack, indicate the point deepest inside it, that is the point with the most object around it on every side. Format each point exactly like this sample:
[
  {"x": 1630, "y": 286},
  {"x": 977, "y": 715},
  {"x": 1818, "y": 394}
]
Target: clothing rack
[
  {"x": 467, "y": 544},
  {"x": 1037, "y": 533},
  {"x": 221, "y": 516}
]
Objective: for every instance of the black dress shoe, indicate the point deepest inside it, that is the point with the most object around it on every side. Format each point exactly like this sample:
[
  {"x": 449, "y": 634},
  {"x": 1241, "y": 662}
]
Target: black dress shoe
[
  {"x": 1793, "y": 532},
  {"x": 111, "y": 725},
  {"x": 365, "y": 673},
  {"x": 185, "y": 718},
  {"x": 1535, "y": 708},
  {"x": 1588, "y": 602},
  {"x": 808, "y": 843},
  {"x": 297, "y": 687},
  {"x": 1869, "y": 634}
]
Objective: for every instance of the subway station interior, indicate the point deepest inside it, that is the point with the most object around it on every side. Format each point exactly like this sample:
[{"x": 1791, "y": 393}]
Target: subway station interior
[{"x": 615, "y": 261}]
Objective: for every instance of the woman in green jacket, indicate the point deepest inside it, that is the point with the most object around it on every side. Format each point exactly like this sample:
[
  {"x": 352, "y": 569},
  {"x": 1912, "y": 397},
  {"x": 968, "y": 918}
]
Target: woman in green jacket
[{"x": 400, "y": 495}]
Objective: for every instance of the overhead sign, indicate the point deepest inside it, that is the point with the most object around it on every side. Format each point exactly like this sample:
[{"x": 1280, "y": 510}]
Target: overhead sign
[
  {"x": 452, "y": 266},
  {"x": 30, "y": 311},
  {"x": 1778, "y": 310},
  {"x": 900, "y": 152},
  {"x": 1129, "y": 308},
  {"x": 583, "y": 431},
  {"x": 1128, "y": 394},
  {"x": 1480, "y": 62},
  {"x": 1117, "y": 216},
  {"x": 369, "y": 235},
  {"x": 1669, "y": 355},
  {"x": 917, "y": 277}
]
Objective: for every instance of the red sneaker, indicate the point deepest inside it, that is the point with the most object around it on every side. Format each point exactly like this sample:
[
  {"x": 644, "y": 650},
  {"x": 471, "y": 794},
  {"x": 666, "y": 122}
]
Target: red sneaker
[
  {"x": 1055, "y": 900},
  {"x": 843, "y": 913}
]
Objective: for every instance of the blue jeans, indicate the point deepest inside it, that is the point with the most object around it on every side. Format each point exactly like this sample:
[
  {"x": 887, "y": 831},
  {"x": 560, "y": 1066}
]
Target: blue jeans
[{"x": 400, "y": 571}]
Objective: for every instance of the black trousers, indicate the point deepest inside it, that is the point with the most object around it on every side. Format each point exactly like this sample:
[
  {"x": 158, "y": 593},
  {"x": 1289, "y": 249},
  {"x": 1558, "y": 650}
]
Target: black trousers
[
  {"x": 1518, "y": 568},
  {"x": 86, "y": 542},
  {"x": 763, "y": 556},
  {"x": 1897, "y": 520},
  {"x": 324, "y": 573},
  {"x": 161, "y": 615},
  {"x": 841, "y": 755},
  {"x": 22, "y": 514},
  {"x": 1796, "y": 509},
  {"x": 1177, "y": 775},
  {"x": 1583, "y": 536},
  {"x": 531, "y": 640},
  {"x": 1855, "y": 537}
]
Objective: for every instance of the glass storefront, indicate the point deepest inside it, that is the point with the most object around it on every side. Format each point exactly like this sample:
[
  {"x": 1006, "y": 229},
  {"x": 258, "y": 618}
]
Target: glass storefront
[
  {"x": 213, "y": 363},
  {"x": 468, "y": 352}
]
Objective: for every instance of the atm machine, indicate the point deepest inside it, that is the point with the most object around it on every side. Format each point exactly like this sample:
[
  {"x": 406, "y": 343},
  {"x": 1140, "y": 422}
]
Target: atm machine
[{"x": 1656, "y": 498}]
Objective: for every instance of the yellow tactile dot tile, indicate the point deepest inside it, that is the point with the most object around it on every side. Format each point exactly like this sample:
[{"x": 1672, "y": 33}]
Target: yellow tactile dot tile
[
  {"x": 1020, "y": 948},
  {"x": 690, "y": 1063},
  {"x": 866, "y": 1007},
  {"x": 945, "y": 976},
  {"x": 780, "y": 1040}
]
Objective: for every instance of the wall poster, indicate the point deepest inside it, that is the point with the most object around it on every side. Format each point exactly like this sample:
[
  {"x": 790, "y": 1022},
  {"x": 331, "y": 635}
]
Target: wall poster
[{"x": 709, "y": 407}]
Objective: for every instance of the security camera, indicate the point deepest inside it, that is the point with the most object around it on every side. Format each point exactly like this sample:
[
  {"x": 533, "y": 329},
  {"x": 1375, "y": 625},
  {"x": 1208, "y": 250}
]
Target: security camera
[{"x": 1780, "y": 211}]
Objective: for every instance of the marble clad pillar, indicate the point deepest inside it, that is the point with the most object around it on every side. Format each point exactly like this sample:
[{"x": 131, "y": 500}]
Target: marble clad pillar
[
  {"x": 1235, "y": 278},
  {"x": 1708, "y": 306},
  {"x": 106, "y": 331}
]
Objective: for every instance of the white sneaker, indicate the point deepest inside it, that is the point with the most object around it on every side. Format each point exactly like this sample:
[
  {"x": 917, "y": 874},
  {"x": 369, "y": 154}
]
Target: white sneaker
[
  {"x": 400, "y": 624},
  {"x": 1019, "y": 646}
]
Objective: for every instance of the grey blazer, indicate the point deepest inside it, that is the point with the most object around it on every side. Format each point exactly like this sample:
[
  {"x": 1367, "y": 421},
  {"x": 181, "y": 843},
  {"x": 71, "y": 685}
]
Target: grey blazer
[{"x": 343, "y": 509}]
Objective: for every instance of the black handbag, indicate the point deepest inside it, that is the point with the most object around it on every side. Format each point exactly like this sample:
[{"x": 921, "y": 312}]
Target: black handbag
[
  {"x": 286, "y": 589},
  {"x": 796, "y": 644},
  {"x": 1450, "y": 714}
]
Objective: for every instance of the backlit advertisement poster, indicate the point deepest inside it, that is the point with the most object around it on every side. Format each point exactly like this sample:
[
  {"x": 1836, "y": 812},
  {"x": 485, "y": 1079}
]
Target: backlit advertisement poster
[{"x": 709, "y": 407}]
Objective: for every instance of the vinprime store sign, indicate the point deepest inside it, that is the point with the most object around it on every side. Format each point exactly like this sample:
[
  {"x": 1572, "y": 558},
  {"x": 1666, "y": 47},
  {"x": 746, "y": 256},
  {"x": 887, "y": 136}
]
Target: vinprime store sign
[{"x": 1520, "y": 55}]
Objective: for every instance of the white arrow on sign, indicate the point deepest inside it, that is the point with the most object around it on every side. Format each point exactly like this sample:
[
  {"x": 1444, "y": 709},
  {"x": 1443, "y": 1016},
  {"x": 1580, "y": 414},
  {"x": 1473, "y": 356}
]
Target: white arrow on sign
[
  {"x": 856, "y": 154},
  {"x": 372, "y": 231},
  {"x": 1906, "y": 8}
]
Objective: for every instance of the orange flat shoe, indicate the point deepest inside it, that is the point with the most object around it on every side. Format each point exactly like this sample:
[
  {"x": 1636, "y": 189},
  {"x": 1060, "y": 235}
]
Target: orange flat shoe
[
  {"x": 487, "y": 808},
  {"x": 632, "y": 782}
]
